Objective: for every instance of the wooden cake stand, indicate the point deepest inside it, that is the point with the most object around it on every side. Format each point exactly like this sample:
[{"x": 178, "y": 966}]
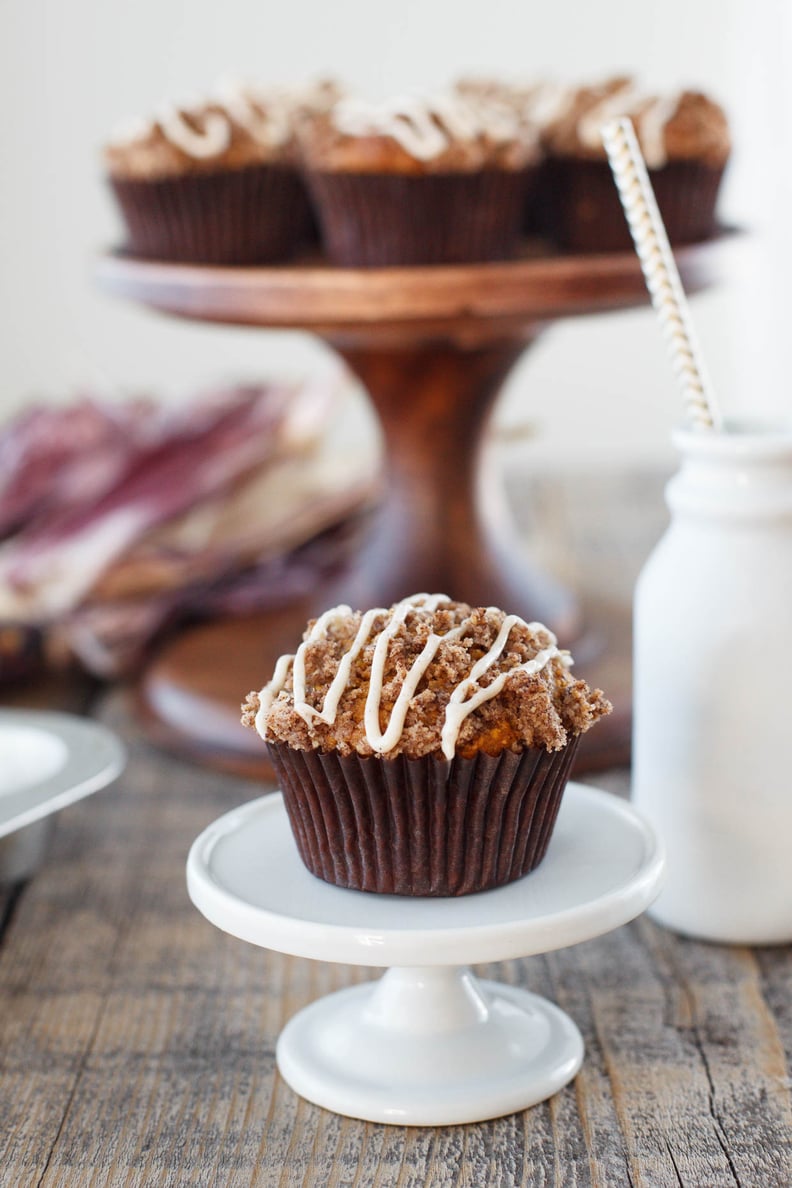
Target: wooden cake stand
[{"x": 432, "y": 346}]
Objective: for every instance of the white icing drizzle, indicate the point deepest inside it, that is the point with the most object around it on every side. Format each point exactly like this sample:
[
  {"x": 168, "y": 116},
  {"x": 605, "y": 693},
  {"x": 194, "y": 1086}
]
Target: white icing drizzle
[
  {"x": 211, "y": 140},
  {"x": 652, "y": 126},
  {"x": 535, "y": 104},
  {"x": 407, "y": 121},
  {"x": 426, "y": 126},
  {"x": 461, "y": 704},
  {"x": 502, "y": 121},
  {"x": 339, "y": 683},
  {"x": 549, "y": 101},
  {"x": 377, "y": 740},
  {"x": 265, "y": 115},
  {"x": 271, "y": 691},
  {"x": 465, "y": 120},
  {"x": 329, "y": 709},
  {"x": 129, "y": 131},
  {"x": 652, "y": 117},
  {"x": 465, "y": 698},
  {"x": 618, "y": 103}
]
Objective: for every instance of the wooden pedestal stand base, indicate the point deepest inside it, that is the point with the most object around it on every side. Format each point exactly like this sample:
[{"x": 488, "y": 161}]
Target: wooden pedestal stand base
[{"x": 432, "y": 347}]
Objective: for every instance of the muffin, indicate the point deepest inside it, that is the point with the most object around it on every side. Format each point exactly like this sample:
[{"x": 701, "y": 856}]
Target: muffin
[
  {"x": 423, "y": 750},
  {"x": 685, "y": 141},
  {"x": 433, "y": 180},
  {"x": 538, "y": 105},
  {"x": 216, "y": 182}
]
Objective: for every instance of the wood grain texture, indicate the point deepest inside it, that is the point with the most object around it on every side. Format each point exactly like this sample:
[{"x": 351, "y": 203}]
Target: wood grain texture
[
  {"x": 467, "y": 303},
  {"x": 137, "y": 1042}
]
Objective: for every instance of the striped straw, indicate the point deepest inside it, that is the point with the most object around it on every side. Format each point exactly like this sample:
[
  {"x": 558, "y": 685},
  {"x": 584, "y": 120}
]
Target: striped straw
[{"x": 660, "y": 271}]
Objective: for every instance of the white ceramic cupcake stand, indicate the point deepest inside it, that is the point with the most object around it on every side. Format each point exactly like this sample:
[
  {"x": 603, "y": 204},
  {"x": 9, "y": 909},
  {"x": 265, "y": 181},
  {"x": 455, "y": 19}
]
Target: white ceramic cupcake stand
[{"x": 428, "y": 1044}]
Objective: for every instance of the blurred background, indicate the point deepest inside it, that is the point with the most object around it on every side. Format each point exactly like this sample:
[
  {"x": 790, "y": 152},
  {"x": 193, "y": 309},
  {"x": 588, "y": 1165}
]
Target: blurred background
[{"x": 593, "y": 392}]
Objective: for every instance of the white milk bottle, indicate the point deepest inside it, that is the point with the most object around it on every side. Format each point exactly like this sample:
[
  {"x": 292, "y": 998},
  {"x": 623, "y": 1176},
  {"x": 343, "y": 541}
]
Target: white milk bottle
[{"x": 712, "y": 738}]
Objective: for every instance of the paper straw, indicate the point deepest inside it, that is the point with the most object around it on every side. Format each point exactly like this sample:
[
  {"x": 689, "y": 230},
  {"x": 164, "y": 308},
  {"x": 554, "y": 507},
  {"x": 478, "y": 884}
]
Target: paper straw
[{"x": 660, "y": 271}]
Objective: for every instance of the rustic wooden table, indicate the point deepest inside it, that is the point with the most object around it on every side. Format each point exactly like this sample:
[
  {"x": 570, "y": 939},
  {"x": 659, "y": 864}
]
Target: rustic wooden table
[{"x": 137, "y": 1041}]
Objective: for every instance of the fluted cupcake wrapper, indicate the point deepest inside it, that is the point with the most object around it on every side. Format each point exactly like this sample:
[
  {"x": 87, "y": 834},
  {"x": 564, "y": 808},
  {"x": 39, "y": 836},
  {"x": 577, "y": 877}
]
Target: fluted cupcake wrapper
[
  {"x": 253, "y": 215},
  {"x": 539, "y": 199},
  {"x": 583, "y": 212},
  {"x": 373, "y": 220},
  {"x": 422, "y": 827}
]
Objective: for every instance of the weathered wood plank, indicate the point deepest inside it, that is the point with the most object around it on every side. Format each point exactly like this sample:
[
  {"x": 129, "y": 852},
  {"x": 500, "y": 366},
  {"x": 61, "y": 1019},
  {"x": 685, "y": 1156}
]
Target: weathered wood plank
[
  {"x": 775, "y": 981},
  {"x": 719, "y": 1006},
  {"x": 137, "y": 1042}
]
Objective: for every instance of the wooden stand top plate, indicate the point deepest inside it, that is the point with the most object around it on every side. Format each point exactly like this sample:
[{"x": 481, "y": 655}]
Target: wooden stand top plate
[{"x": 357, "y": 304}]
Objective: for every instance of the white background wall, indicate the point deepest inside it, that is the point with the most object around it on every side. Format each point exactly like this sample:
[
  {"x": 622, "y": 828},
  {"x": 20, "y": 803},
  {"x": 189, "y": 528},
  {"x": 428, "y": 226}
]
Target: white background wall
[{"x": 599, "y": 389}]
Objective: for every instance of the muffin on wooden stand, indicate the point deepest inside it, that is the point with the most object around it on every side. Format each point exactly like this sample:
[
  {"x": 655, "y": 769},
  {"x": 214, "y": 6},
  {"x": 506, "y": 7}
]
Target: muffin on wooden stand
[
  {"x": 685, "y": 142},
  {"x": 419, "y": 180},
  {"x": 216, "y": 182}
]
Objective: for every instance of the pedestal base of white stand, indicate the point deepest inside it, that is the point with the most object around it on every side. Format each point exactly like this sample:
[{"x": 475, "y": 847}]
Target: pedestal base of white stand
[{"x": 429, "y": 1046}]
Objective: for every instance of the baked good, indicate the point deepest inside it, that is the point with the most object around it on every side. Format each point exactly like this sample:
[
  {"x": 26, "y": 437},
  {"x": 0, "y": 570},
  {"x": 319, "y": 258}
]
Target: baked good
[
  {"x": 419, "y": 180},
  {"x": 423, "y": 750},
  {"x": 685, "y": 141},
  {"x": 216, "y": 182},
  {"x": 538, "y": 105},
  {"x": 454, "y": 177}
]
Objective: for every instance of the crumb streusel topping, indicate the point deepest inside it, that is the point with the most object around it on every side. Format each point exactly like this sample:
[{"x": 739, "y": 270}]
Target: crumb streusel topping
[
  {"x": 427, "y": 676},
  {"x": 680, "y": 126}
]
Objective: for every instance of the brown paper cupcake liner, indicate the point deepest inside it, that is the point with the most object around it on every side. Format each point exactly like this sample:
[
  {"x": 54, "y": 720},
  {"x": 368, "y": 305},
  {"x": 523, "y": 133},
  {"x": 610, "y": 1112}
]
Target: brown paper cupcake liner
[
  {"x": 254, "y": 215},
  {"x": 582, "y": 211},
  {"x": 379, "y": 221},
  {"x": 539, "y": 199},
  {"x": 422, "y": 827}
]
